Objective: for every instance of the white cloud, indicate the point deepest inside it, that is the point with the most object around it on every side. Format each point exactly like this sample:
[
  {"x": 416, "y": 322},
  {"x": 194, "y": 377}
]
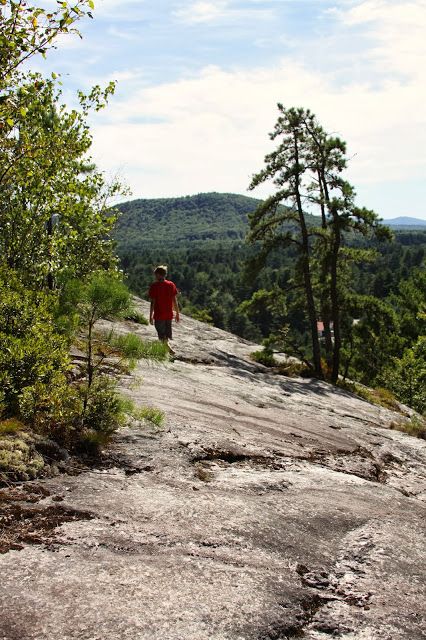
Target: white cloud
[
  {"x": 397, "y": 30},
  {"x": 209, "y": 132},
  {"x": 207, "y": 11},
  {"x": 120, "y": 9},
  {"x": 202, "y": 11}
]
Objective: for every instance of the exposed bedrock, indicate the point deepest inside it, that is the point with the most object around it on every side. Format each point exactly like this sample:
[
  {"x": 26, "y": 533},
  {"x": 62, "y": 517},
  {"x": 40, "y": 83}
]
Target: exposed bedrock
[{"x": 268, "y": 508}]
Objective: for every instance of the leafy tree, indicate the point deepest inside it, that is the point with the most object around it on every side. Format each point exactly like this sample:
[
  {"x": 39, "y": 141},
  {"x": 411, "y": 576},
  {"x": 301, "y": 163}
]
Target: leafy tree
[
  {"x": 406, "y": 376},
  {"x": 27, "y": 30},
  {"x": 45, "y": 171},
  {"x": 372, "y": 341},
  {"x": 410, "y": 303},
  {"x": 307, "y": 168},
  {"x": 101, "y": 296},
  {"x": 47, "y": 175},
  {"x": 326, "y": 160},
  {"x": 274, "y": 227},
  {"x": 30, "y": 350},
  {"x": 55, "y": 225}
]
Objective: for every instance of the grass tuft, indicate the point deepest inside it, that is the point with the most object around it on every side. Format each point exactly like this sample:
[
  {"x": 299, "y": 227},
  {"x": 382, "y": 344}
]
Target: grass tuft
[
  {"x": 136, "y": 316},
  {"x": 382, "y": 397},
  {"x": 133, "y": 347},
  {"x": 150, "y": 414},
  {"x": 264, "y": 357},
  {"x": 415, "y": 426},
  {"x": 11, "y": 426}
]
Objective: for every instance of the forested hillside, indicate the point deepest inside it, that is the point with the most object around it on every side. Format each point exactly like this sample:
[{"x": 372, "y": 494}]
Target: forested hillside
[
  {"x": 201, "y": 238},
  {"x": 221, "y": 281},
  {"x": 206, "y": 216}
]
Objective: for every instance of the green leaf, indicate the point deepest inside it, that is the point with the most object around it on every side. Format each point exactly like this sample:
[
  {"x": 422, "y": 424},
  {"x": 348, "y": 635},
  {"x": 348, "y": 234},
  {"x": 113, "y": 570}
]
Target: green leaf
[
  {"x": 10, "y": 122},
  {"x": 91, "y": 4}
]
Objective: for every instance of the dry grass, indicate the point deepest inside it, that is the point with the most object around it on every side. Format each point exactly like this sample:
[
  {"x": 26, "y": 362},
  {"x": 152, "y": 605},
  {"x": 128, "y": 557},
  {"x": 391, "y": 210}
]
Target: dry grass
[
  {"x": 382, "y": 397},
  {"x": 415, "y": 426}
]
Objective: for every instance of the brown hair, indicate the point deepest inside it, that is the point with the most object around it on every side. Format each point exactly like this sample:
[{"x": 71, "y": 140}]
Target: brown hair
[{"x": 161, "y": 269}]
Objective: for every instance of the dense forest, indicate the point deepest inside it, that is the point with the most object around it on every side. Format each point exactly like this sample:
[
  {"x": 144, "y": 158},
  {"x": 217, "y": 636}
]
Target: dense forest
[{"x": 202, "y": 239}]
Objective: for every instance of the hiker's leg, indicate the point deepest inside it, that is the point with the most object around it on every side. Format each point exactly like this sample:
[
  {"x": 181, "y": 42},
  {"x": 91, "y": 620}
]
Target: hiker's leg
[
  {"x": 169, "y": 336},
  {"x": 164, "y": 331},
  {"x": 169, "y": 349}
]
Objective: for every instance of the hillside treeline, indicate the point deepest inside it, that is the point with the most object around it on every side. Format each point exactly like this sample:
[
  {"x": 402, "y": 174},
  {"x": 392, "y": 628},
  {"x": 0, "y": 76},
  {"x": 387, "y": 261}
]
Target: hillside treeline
[{"x": 217, "y": 276}]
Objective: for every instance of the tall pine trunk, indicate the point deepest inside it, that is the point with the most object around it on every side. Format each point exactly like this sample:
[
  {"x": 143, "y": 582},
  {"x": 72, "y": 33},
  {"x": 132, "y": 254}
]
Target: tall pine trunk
[
  {"x": 335, "y": 306},
  {"x": 307, "y": 279},
  {"x": 325, "y": 270},
  {"x": 334, "y": 290}
]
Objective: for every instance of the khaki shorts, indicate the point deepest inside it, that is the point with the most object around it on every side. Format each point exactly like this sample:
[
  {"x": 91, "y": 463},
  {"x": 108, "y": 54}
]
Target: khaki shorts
[{"x": 164, "y": 329}]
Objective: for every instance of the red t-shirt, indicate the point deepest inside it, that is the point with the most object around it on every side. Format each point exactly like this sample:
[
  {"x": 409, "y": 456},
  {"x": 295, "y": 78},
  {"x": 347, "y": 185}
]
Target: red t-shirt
[{"x": 163, "y": 294}]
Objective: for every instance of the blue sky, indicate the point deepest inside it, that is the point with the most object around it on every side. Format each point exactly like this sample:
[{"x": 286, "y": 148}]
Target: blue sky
[{"x": 198, "y": 83}]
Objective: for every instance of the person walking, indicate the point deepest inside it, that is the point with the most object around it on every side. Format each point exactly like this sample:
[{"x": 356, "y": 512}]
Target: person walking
[{"x": 162, "y": 294}]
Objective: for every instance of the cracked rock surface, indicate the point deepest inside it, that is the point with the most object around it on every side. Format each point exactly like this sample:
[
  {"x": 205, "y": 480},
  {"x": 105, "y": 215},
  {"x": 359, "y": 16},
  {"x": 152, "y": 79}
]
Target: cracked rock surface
[{"x": 268, "y": 508}]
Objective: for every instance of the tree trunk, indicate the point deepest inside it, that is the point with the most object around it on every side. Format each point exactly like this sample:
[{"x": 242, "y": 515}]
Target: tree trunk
[
  {"x": 90, "y": 368},
  {"x": 310, "y": 301},
  {"x": 325, "y": 314},
  {"x": 349, "y": 360},
  {"x": 334, "y": 293},
  {"x": 335, "y": 306}
]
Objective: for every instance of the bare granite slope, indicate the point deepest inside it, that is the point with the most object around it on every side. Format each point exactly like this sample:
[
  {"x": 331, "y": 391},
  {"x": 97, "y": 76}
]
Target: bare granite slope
[{"x": 269, "y": 508}]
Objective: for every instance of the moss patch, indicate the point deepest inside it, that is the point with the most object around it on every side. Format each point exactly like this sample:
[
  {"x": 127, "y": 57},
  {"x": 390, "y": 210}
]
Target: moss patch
[{"x": 19, "y": 458}]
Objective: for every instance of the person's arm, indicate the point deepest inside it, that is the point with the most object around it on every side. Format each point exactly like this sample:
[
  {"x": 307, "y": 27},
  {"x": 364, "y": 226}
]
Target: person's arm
[
  {"x": 176, "y": 308},
  {"x": 151, "y": 312}
]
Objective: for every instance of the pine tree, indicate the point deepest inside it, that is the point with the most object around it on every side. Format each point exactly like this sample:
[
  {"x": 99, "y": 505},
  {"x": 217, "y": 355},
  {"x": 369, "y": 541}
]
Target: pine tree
[{"x": 279, "y": 226}]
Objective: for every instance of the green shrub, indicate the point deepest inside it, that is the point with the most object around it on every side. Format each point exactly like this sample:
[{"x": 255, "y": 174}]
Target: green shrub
[
  {"x": 406, "y": 377},
  {"x": 264, "y": 357},
  {"x": 54, "y": 410},
  {"x": 136, "y": 316},
  {"x": 150, "y": 414},
  {"x": 104, "y": 296},
  {"x": 379, "y": 396},
  {"x": 31, "y": 351},
  {"x": 202, "y": 315},
  {"x": 293, "y": 369},
  {"x": 385, "y": 398},
  {"x": 105, "y": 412},
  {"x": 133, "y": 347}
]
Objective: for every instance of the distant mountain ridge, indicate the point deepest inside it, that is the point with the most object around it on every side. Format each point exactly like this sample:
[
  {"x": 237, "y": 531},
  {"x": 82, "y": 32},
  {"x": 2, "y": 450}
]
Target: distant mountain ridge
[
  {"x": 219, "y": 217},
  {"x": 203, "y": 217},
  {"x": 405, "y": 221}
]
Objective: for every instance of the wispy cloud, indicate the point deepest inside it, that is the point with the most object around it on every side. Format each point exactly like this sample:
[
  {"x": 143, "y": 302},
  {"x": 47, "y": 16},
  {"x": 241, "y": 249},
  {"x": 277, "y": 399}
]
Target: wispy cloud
[
  {"x": 396, "y": 30},
  {"x": 209, "y": 131},
  {"x": 202, "y": 12},
  {"x": 210, "y": 11},
  {"x": 199, "y": 81}
]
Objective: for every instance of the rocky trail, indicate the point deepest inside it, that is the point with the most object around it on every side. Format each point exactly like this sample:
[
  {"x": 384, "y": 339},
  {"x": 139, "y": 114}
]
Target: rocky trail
[{"x": 268, "y": 508}]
